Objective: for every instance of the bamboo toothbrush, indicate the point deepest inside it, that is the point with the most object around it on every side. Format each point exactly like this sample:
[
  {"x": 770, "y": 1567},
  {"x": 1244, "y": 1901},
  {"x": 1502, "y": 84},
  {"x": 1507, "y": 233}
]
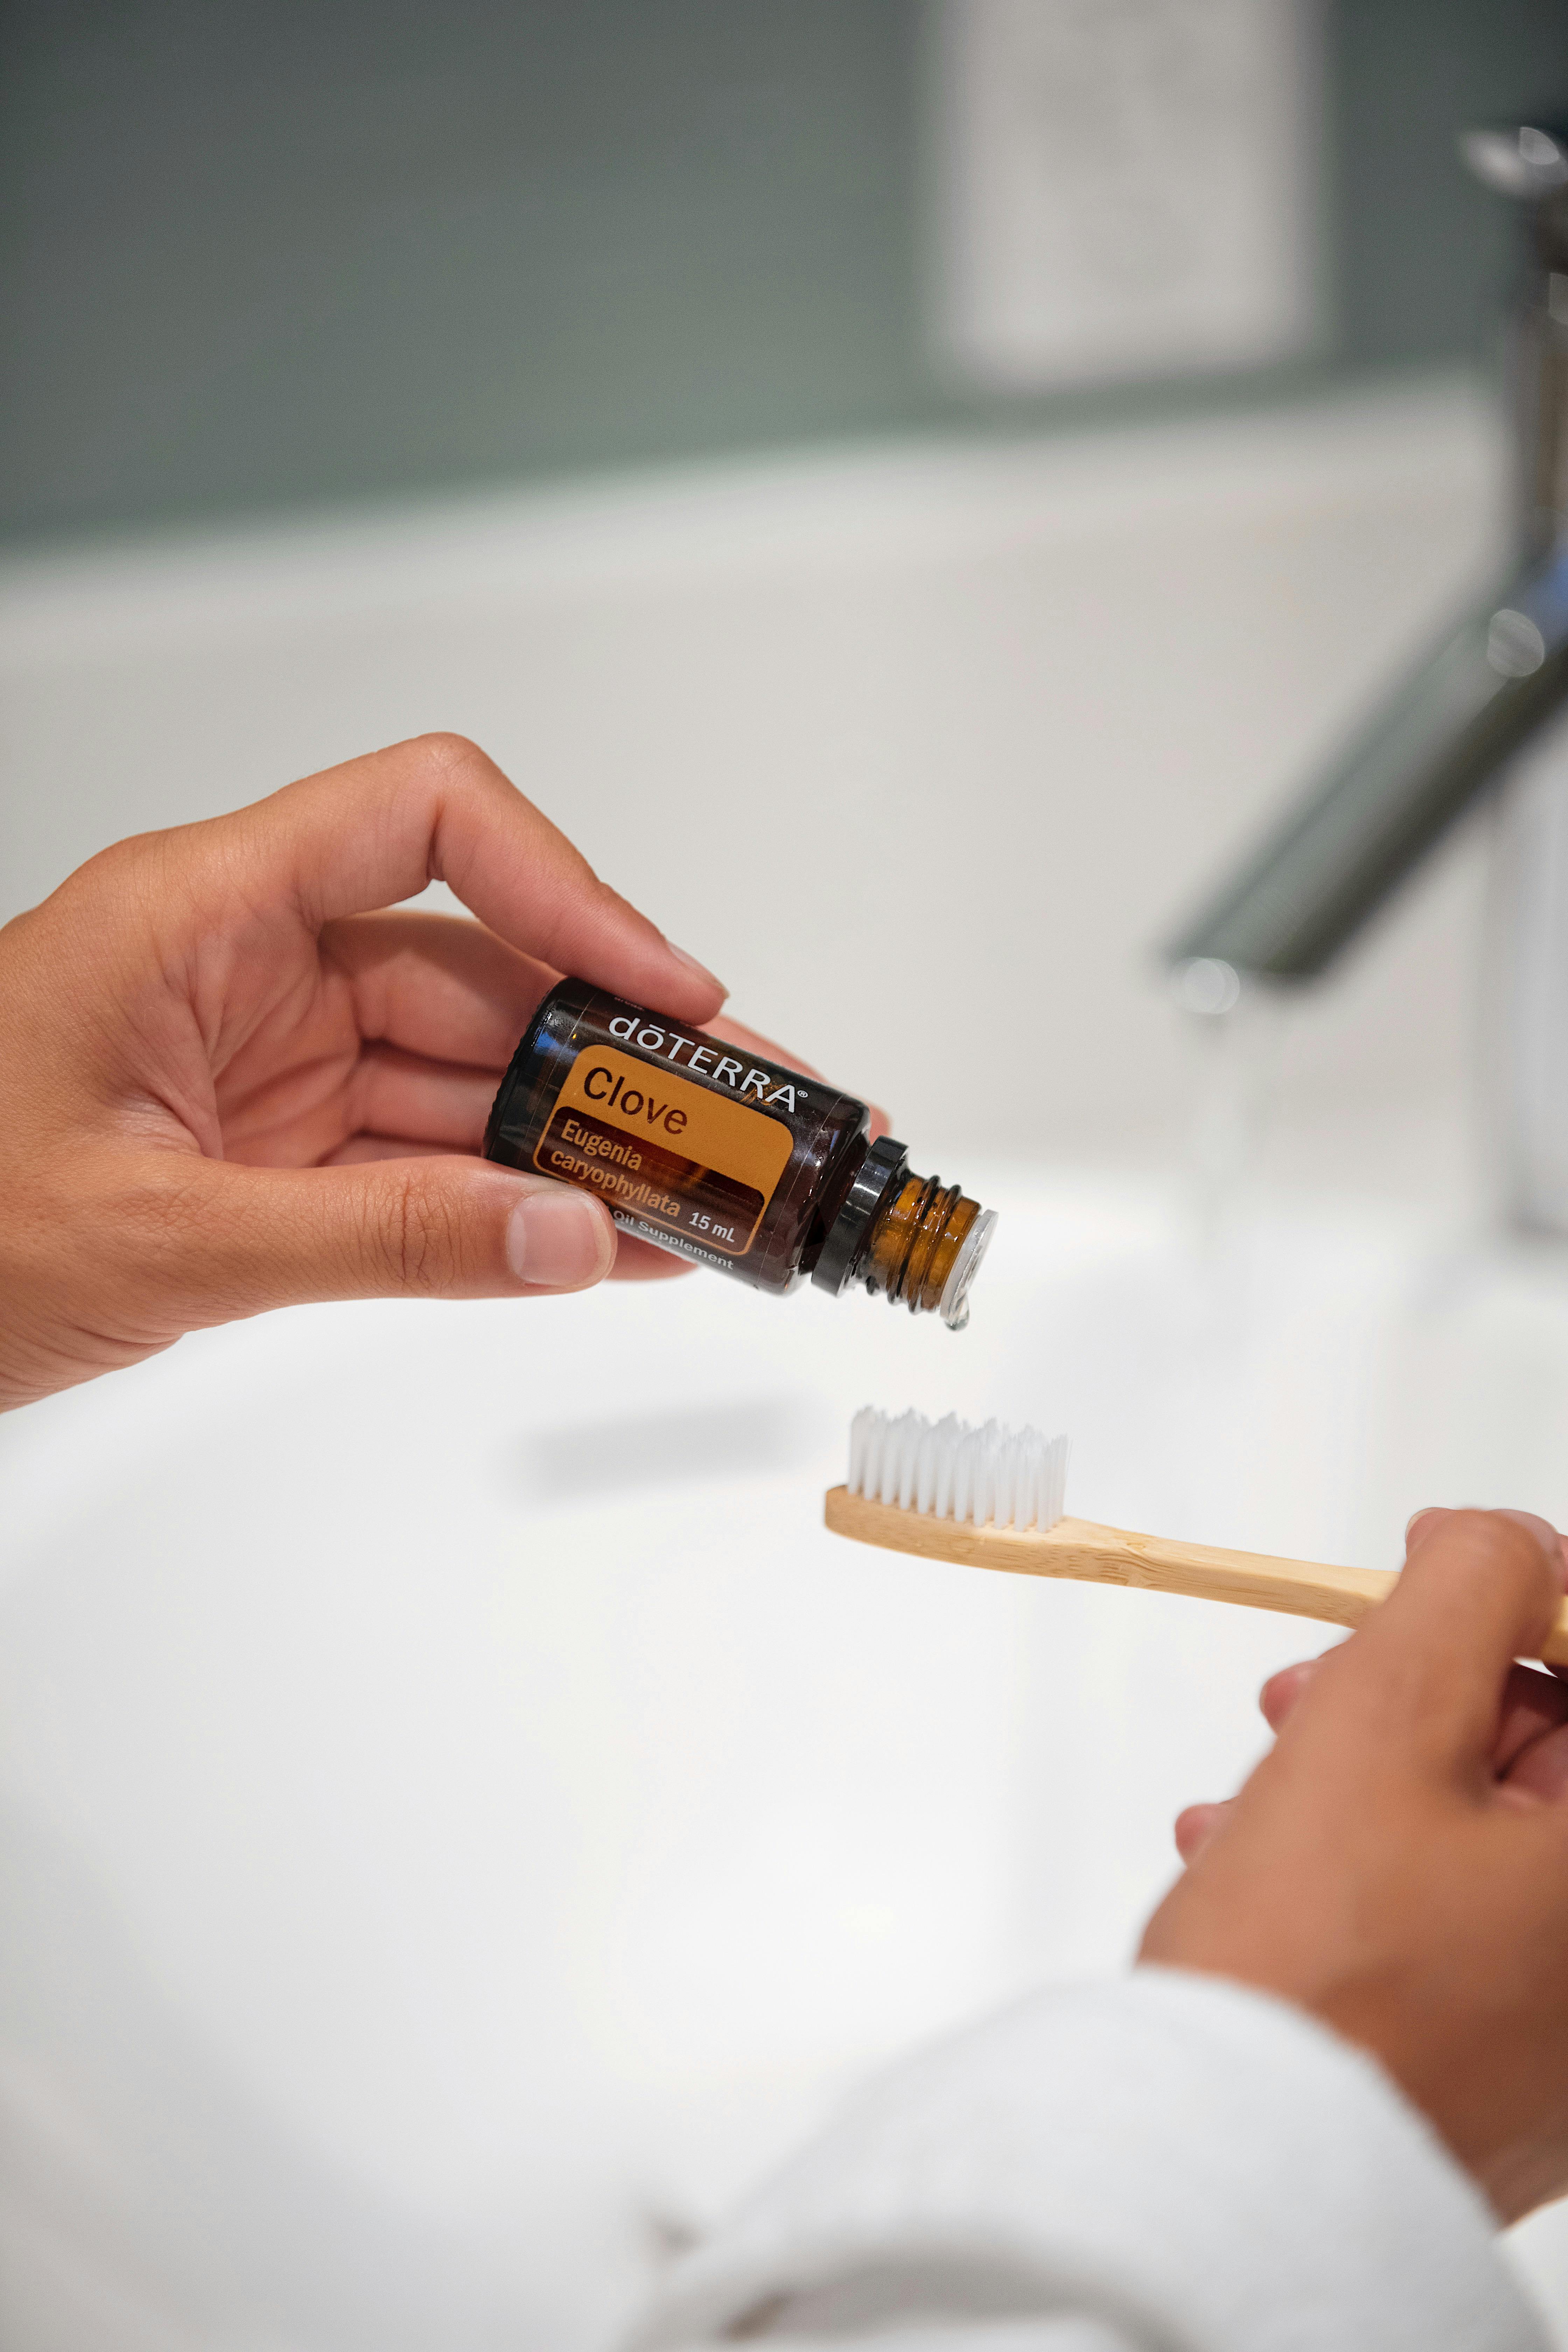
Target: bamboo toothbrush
[{"x": 993, "y": 1497}]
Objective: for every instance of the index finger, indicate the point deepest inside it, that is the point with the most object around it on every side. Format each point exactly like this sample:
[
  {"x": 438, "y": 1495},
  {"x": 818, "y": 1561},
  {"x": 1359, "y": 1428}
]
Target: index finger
[{"x": 376, "y": 830}]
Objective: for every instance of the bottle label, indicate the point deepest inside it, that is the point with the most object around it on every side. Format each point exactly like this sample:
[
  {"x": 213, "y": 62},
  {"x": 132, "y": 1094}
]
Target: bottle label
[{"x": 657, "y": 1148}]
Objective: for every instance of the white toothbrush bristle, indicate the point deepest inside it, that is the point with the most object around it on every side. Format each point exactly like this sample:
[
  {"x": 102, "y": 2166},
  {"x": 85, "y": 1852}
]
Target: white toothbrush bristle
[{"x": 992, "y": 1476}]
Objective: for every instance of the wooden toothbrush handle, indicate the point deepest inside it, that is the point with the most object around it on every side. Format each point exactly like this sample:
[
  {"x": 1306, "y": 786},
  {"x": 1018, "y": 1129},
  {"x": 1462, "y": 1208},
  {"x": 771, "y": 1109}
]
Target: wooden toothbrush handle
[
  {"x": 1098, "y": 1555},
  {"x": 1332, "y": 1596}
]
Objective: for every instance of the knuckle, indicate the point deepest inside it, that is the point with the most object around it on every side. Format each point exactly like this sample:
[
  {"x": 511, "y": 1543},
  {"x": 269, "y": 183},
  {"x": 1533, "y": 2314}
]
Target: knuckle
[
  {"x": 120, "y": 879},
  {"x": 420, "y": 1236},
  {"x": 456, "y": 754},
  {"x": 111, "y": 865},
  {"x": 159, "y": 1216}
]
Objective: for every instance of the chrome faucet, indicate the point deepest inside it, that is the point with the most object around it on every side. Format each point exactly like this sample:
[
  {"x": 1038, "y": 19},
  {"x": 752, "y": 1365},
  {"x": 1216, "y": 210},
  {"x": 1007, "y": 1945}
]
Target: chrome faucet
[{"x": 1476, "y": 717}]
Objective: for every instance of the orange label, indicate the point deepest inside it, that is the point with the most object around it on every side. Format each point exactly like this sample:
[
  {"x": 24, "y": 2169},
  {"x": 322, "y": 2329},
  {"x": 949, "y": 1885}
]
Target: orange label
[{"x": 655, "y": 1147}]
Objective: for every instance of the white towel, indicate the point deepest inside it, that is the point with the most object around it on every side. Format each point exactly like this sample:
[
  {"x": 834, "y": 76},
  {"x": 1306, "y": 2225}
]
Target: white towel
[{"x": 1168, "y": 2163}]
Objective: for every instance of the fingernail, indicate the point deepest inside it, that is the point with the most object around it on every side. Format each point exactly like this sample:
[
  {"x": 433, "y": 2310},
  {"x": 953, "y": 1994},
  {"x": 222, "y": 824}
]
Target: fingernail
[
  {"x": 556, "y": 1238},
  {"x": 1543, "y": 1531},
  {"x": 700, "y": 969}
]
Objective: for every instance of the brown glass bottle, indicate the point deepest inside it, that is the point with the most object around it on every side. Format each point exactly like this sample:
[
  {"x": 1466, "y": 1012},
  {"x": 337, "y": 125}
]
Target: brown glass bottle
[{"x": 746, "y": 1166}]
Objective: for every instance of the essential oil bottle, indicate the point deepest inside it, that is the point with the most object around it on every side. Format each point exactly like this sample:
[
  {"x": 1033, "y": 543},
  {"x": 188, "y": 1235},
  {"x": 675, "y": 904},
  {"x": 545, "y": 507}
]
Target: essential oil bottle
[{"x": 748, "y": 1167}]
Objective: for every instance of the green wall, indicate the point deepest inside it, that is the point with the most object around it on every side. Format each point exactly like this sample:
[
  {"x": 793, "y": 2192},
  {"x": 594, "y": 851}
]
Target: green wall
[{"x": 257, "y": 257}]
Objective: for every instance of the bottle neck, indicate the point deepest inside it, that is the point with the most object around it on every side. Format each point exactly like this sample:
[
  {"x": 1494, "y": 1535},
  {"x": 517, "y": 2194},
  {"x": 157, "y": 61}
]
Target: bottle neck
[
  {"x": 911, "y": 1239},
  {"x": 915, "y": 1242}
]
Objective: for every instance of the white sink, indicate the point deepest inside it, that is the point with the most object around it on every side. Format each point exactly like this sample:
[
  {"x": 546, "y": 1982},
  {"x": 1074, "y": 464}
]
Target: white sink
[{"x": 460, "y": 1815}]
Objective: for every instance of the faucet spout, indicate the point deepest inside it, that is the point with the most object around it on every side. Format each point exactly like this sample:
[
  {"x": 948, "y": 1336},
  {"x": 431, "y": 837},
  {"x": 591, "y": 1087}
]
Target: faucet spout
[
  {"x": 1440, "y": 741},
  {"x": 1445, "y": 733}
]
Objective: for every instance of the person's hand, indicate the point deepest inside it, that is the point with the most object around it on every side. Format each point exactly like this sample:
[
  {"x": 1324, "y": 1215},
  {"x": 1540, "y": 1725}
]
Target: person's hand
[
  {"x": 231, "y": 1080},
  {"x": 1534, "y": 1703},
  {"x": 1398, "y": 1863}
]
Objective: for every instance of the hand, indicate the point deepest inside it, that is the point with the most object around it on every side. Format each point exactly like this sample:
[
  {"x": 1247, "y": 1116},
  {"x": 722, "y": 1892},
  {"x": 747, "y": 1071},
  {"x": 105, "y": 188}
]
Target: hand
[
  {"x": 232, "y": 1081},
  {"x": 1398, "y": 1863},
  {"x": 1534, "y": 1704}
]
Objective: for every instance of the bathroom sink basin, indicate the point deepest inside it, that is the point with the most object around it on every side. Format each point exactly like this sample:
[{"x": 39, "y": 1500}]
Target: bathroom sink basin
[{"x": 462, "y": 1815}]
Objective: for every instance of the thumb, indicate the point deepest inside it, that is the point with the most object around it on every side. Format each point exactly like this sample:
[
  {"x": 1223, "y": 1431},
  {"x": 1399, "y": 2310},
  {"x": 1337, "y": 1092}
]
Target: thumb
[
  {"x": 208, "y": 1242},
  {"x": 1426, "y": 1672}
]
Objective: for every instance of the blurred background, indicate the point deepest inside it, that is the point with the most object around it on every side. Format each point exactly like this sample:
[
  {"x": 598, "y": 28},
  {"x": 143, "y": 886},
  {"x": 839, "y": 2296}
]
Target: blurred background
[{"x": 911, "y": 490}]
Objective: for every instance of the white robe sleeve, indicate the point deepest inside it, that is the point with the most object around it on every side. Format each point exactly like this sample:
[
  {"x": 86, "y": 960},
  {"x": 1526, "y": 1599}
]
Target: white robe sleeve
[{"x": 1165, "y": 2164}]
